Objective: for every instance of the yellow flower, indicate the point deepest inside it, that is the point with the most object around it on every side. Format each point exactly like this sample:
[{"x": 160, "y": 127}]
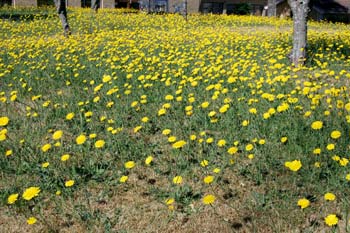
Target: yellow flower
[
  {"x": 179, "y": 144},
  {"x": 80, "y": 139},
  {"x": 208, "y": 199},
  {"x": 149, "y": 160},
  {"x": 294, "y": 165},
  {"x": 317, "y": 151},
  {"x": 335, "y": 134},
  {"x": 69, "y": 183},
  {"x": 221, "y": 143},
  {"x": 169, "y": 201},
  {"x": 204, "y": 163},
  {"x": 123, "y": 179},
  {"x": 65, "y": 157},
  {"x": 161, "y": 112},
  {"x": 347, "y": 177},
  {"x": 316, "y": 125},
  {"x": 137, "y": 128},
  {"x": 57, "y": 135},
  {"x": 208, "y": 179},
  {"x": 8, "y": 152},
  {"x": 303, "y": 203},
  {"x": 46, "y": 147},
  {"x": 169, "y": 97},
  {"x": 249, "y": 147},
  {"x": 245, "y": 123},
  {"x": 330, "y": 146},
  {"x": 106, "y": 78},
  {"x": 177, "y": 180},
  {"x": 329, "y": 197},
  {"x": 4, "y": 121},
  {"x": 172, "y": 139},
  {"x": 99, "y": 143},
  {"x": 166, "y": 132},
  {"x": 31, "y": 220},
  {"x": 45, "y": 165},
  {"x": 331, "y": 220},
  {"x": 343, "y": 162},
  {"x": 205, "y": 104},
  {"x": 30, "y": 193},
  {"x": 12, "y": 198},
  {"x": 216, "y": 170},
  {"x": 70, "y": 116},
  {"x": 232, "y": 150},
  {"x": 129, "y": 164},
  {"x": 284, "y": 139},
  {"x": 145, "y": 119},
  {"x": 262, "y": 142}
]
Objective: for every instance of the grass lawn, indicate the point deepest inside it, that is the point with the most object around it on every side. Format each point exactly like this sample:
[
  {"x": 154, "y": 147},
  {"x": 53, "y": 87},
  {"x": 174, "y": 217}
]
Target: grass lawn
[{"x": 150, "y": 123}]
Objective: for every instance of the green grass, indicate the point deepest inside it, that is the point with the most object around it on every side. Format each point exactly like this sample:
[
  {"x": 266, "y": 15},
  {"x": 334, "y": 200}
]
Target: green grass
[{"x": 237, "y": 61}]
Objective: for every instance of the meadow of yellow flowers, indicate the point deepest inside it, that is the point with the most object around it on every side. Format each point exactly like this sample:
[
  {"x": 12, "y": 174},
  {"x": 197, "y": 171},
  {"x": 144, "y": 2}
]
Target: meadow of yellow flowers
[{"x": 147, "y": 123}]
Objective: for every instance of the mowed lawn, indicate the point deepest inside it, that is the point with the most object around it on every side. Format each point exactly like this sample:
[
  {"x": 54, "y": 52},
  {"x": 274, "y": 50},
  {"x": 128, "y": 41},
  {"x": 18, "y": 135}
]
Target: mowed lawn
[{"x": 151, "y": 123}]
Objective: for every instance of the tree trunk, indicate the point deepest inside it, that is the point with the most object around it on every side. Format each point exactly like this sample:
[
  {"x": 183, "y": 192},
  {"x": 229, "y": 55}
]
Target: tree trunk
[
  {"x": 300, "y": 10},
  {"x": 271, "y": 11}
]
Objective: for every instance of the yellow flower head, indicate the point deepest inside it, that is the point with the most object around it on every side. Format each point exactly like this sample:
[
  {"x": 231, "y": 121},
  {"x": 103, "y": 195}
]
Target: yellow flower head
[
  {"x": 57, "y": 134},
  {"x": 208, "y": 199},
  {"x": 177, "y": 180},
  {"x": 208, "y": 179},
  {"x": 12, "y": 198},
  {"x": 221, "y": 143},
  {"x": 303, "y": 203},
  {"x": 65, "y": 157},
  {"x": 46, "y": 147},
  {"x": 335, "y": 134},
  {"x": 166, "y": 132},
  {"x": 4, "y": 121},
  {"x": 70, "y": 116},
  {"x": 294, "y": 165},
  {"x": 169, "y": 201},
  {"x": 329, "y": 197},
  {"x": 316, "y": 125},
  {"x": 69, "y": 183},
  {"x": 99, "y": 143},
  {"x": 123, "y": 179},
  {"x": 232, "y": 150},
  {"x": 80, "y": 139},
  {"x": 149, "y": 160},
  {"x": 30, "y": 193},
  {"x": 129, "y": 164},
  {"x": 31, "y": 220},
  {"x": 331, "y": 220},
  {"x": 284, "y": 139},
  {"x": 204, "y": 163},
  {"x": 249, "y": 147},
  {"x": 179, "y": 144}
]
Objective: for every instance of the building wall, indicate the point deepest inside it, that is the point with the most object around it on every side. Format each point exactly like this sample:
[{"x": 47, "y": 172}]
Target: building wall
[
  {"x": 107, "y": 3},
  {"x": 176, "y": 5},
  {"x": 74, "y": 3},
  {"x": 26, "y": 3}
]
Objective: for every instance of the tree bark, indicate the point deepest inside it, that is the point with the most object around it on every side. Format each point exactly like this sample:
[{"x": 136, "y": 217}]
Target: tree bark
[
  {"x": 300, "y": 10},
  {"x": 271, "y": 11}
]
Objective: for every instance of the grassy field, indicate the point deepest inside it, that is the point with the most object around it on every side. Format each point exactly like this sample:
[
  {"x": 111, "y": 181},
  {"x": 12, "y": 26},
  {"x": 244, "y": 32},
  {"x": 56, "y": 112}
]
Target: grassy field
[{"x": 150, "y": 123}]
